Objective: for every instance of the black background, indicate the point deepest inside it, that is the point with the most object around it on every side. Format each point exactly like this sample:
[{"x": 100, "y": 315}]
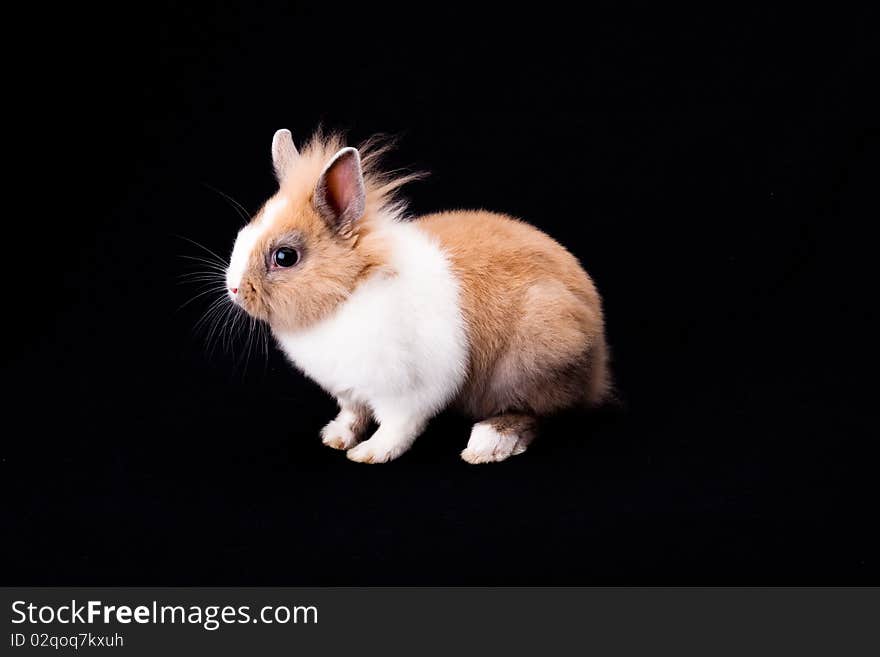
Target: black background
[{"x": 710, "y": 170}]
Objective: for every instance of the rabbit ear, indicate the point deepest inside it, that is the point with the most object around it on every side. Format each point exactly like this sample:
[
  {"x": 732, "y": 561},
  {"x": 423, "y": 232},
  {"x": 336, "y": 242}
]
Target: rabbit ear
[
  {"x": 283, "y": 152},
  {"x": 340, "y": 197}
]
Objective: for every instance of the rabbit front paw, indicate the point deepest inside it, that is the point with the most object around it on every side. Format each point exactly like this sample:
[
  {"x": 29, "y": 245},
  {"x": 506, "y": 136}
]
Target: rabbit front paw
[
  {"x": 376, "y": 451},
  {"x": 338, "y": 435}
]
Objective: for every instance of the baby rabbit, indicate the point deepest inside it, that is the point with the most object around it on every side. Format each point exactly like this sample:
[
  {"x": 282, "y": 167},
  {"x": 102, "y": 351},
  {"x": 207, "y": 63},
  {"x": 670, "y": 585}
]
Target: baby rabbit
[{"x": 398, "y": 318}]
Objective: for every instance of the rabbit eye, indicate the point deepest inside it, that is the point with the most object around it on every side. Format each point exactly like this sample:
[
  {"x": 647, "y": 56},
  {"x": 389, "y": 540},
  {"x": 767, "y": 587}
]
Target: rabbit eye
[{"x": 285, "y": 257}]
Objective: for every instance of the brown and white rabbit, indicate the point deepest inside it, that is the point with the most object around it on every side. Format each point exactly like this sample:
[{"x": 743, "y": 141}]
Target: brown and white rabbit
[{"x": 398, "y": 319}]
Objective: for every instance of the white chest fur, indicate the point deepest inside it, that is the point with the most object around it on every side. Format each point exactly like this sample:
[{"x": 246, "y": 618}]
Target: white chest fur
[{"x": 398, "y": 341}]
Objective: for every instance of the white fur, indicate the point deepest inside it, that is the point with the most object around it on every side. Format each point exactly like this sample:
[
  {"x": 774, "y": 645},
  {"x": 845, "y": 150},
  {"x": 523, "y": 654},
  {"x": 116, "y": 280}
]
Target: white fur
[
  {"x": 247, "y": 238},
  {"x": 338, "y": 433},
  {"x": 283, "y": 152},
  {"x": 487, "y": 445},
  {"x": 271, "y": 211},
  {"x": 244, "y": 244},
  {"x": 397, "y": 344}
]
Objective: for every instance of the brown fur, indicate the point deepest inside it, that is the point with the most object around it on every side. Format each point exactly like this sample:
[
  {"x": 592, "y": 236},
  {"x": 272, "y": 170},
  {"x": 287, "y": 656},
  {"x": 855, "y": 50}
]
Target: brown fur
[
  {"x": 333, "y": 261},
  {"x": 534, "y": 317},
  {"x": 358, "y": 427},
  {"x": 362, "y": 419},
  {"x": 514, "y": 424}
]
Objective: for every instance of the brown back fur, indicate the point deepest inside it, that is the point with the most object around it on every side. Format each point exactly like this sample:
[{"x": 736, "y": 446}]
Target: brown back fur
[
  {"x": 534, "y": 316},
  {"x": 332, "y": 264}
]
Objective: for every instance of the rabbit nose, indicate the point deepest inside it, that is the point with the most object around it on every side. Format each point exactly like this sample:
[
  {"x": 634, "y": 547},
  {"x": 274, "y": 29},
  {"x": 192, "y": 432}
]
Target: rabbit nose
[{"x": 234, "y": 290}]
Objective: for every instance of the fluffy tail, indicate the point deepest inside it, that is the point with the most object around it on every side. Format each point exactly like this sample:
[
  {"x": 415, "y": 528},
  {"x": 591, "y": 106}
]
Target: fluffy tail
[{"x": 600, "y": 389}]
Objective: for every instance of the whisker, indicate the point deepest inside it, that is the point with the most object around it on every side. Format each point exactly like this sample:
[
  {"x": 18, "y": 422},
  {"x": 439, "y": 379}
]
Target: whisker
[
  {"x": 219, "y": 266},
  {"x": 246, "y": 352},
  {"x": 215, "y": 308},
  {"x": 264, "y": 330},
  {"x": 223, "y": 322},
  {"x": 229, "y": 328},
  {"x": 239, "y": 208},
  {"x": 201, "y": 294},
  {"x": 196, "y": 279},
  {"x": 216, "y": 333},
  {"x": 211, "y": 319},
  {"x": 201, "y": 246}
]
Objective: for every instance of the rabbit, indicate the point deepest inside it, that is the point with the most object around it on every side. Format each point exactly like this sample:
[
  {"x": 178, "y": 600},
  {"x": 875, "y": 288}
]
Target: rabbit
[{"x": 399, "y": 318}]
